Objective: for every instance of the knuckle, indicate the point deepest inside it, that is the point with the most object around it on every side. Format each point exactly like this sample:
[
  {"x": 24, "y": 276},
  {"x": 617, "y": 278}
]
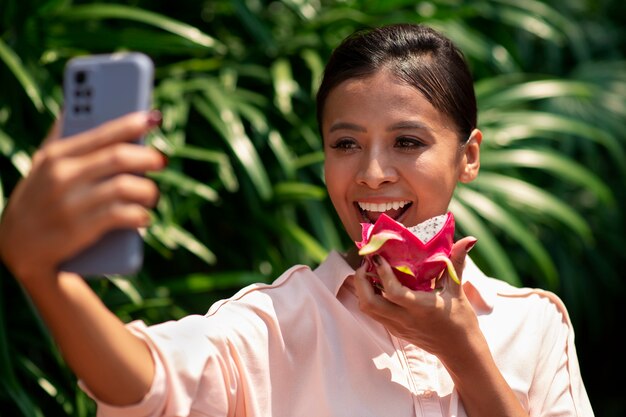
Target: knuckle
[
  {"x": 125, "y": 215},
  {"x": 120, "y": 185},
  {"x": 118, "y": 155}
]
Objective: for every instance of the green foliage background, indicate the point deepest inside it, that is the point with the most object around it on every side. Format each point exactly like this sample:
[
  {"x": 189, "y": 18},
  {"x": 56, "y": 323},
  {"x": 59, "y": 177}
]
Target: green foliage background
[{"x": 243, "y": 197}]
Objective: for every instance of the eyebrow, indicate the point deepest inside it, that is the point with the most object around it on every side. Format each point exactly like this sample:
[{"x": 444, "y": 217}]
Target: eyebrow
[
  {"x": 397, "y": 126},
  {"x": 409, "y": 124},
  {"x": 347, "y": 126}
]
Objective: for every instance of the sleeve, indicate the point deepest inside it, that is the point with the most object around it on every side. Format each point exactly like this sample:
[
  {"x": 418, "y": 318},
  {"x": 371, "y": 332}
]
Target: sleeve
[
  {"x": 558, "y": 388},
  {"x": 186, "y": 362}
]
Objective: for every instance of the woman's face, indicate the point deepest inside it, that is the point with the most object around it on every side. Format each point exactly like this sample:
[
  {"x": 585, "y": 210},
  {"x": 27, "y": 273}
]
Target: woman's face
[{"x": 388, "y": 150}]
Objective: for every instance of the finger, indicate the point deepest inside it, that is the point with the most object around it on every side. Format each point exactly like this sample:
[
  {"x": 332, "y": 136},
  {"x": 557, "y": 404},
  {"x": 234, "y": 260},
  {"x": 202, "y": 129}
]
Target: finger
[
  {"x": 116, "y": 215},
  {"x": 125, "y": 188},
  {"x": 116, "y": 203},
  {"x": 393, "y": 291},
  {"x": 370, "y": 302},
  {"x": 127, "y": 128},
  {"x": 457, "y": 258},
  {"x": 118, "y": 159},
  {"x": 54, "y": 133}
]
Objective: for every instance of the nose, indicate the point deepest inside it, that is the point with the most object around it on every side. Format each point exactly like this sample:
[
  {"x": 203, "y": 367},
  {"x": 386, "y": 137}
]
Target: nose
[{"x": 376, "y": 170}]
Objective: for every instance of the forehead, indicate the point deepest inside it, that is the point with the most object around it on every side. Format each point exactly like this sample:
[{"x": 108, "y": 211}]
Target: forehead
[{"x": 380, "y": 98}]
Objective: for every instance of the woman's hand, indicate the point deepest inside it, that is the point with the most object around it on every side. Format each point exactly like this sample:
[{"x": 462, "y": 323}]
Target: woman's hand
[
  {"x": 437, "y": 321},
  {"x": 444, "y": 324},
  {"x": 78, "y": 189}
]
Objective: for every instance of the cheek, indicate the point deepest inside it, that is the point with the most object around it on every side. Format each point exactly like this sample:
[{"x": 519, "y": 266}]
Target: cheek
[
  {"x": 435, "y": 179},
  {"x": 336, "y": 182}
]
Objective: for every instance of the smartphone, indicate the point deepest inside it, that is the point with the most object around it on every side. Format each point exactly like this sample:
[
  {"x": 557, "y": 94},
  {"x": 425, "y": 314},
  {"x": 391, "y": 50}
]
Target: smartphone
[{"x": 96, "y": 89}]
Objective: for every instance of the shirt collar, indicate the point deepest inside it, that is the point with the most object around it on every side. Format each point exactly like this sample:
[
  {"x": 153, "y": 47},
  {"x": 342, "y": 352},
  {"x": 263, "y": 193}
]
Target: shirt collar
[{"x": 334, "y": 272}]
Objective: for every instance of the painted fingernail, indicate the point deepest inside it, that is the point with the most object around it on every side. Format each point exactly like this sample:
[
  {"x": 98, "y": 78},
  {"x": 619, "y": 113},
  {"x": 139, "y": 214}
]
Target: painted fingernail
[
  {"x": 155, "y": 118},
  {"x": 165, "y": 159},
  {"x": 470, "y": 244},
  {"x": 376, "y": 260}
]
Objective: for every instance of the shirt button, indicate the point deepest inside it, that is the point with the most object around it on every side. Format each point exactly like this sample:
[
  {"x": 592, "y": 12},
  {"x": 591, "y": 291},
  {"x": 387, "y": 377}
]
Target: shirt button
[{"x": 427, "y": 394}]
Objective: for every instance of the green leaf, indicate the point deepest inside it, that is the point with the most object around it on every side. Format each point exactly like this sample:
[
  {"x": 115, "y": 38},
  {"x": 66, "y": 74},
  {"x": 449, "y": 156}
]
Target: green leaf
[
  {"x": 173, "y": 235},
  {"x": 552, "y": 162},
  {"x": 224, "y": 168},
  {"x": 528, "y": 198},
  {"x": 119, "y": 11},
  {"x": 499, "y": 92},
  {"x": 512, "y": 227},
  {"x": 127, "y": 287},
  {"x": 488, "y": 247},
  {"x": 504, "y": 128},
  {"x": 230, "y": 126},
  {"x": 14, "y": 63},
  {"x": 298, "y": 191},
  {"x": 19, "y": 158},
  {"x": 201, "y": 283},
  {"x": 185, "y": 184},
  {"x": 311, "y": 246},
  {"x": 284, "y": 85},
  {"x": 283, "y": 153}
]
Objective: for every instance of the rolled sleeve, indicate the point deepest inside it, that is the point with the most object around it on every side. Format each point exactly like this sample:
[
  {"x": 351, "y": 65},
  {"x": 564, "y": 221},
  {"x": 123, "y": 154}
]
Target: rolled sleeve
[{"x": 186, "y": 363}]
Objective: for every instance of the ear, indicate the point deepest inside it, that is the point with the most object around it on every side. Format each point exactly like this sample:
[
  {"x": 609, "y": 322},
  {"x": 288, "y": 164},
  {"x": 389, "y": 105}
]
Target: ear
[{"x": 470, "y": 158}]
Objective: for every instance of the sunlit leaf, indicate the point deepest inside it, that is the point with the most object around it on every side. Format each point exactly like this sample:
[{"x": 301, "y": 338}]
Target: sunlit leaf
[
  {"x": 119, "y": 11},
  {"x": 172, "y": 235},
  {"x": 15, "y": 65},
  {"x": 551, "y": 162},
  {"x": 185, "y": 184},
  {"x": 308, "y": 243},
  {"x": 229, "y": 125},
  {"x": 298, "y": 191},
  {"x": 514, "y": 228},
  {"x": 491, "y": 252},
  {"x": 529, "y": 198}
]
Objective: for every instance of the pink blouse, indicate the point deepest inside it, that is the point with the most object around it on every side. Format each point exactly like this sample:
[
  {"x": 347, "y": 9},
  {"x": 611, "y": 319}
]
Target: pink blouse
[{"x": 301, "y": 347}]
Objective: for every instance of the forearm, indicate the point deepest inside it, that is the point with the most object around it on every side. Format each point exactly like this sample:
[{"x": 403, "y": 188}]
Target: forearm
[
  {"x": 479, "y": 382},
  {"x": 115, "y": 364}
]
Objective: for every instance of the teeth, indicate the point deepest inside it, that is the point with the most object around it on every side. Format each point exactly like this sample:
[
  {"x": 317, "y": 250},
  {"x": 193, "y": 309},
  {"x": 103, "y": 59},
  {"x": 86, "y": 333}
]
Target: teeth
[{"x": 382, "y": 207}]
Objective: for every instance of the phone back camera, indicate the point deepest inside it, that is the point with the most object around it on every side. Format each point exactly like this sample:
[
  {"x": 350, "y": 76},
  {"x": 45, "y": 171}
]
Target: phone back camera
[
  {"x": 80, "y": 77},
  {"x": 82, "y": 94}
]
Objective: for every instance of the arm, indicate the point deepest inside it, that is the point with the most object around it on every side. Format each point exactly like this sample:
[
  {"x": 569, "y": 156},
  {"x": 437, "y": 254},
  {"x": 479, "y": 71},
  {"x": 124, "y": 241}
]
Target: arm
[
  {"x": 444, "y": 324},
  {"x": 71, "y": 197}
]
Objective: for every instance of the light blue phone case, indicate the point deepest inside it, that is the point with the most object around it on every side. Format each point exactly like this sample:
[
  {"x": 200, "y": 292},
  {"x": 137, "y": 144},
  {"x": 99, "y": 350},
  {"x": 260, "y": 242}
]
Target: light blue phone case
[{"x": 99, "y": 88}]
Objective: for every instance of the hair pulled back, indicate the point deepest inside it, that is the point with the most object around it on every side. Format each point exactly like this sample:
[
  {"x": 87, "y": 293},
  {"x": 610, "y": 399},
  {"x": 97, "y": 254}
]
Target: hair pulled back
[{"x": 417, "y": 55}]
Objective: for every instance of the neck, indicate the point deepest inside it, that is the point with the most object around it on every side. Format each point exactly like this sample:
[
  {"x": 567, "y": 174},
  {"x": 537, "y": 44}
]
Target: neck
[{"x": 353, "y": 258}]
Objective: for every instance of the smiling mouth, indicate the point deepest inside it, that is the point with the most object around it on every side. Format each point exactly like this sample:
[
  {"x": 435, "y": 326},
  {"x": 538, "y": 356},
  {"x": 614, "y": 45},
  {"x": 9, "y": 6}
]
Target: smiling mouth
[{"x": 370, "y": 212}]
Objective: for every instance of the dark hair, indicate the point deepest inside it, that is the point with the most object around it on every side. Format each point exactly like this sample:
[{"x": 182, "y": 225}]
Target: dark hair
[{"x": 417, "y": 55}]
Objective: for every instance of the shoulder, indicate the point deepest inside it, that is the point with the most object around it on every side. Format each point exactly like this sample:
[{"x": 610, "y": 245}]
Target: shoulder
[
  {"x": 299, "y": 284},
  {"x": 297, "y": 281},
  {"x": 543, "y": 308}
]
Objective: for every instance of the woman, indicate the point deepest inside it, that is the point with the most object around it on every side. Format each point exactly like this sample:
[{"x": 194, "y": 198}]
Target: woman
[{"x": 397, "y": 113}]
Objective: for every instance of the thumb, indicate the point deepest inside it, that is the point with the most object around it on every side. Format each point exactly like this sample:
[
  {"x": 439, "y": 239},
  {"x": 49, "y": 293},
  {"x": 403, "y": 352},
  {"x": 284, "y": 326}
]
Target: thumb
[
  {"x": 54, "y": 133},
  {"x": 458, "y": 254}
]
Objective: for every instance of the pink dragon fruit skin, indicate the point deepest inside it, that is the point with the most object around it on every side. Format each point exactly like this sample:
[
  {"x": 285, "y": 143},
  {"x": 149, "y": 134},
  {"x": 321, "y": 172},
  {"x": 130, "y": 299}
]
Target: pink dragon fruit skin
[{"x": 414, "y": 262}]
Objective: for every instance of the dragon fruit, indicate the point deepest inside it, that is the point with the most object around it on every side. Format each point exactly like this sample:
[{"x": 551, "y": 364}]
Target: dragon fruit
[{"x": 417, "y": 255}]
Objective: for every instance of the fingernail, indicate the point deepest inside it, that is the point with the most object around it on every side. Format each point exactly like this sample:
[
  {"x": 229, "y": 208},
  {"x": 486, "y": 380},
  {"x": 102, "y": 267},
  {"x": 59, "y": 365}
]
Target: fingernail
[
  {"x": 470, "y": 244},
  {"x": 376, "y": 260},
  {"x": 155, "y": 118},
  {"x": 165, "y": 159}
]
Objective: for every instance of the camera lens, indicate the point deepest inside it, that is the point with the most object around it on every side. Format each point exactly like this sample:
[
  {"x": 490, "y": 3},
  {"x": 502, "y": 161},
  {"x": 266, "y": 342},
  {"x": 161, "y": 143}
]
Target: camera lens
[{"x": 80, "y": 77}]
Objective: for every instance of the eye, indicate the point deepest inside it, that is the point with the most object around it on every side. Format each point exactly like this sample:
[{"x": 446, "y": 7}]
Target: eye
[
  {"x": 408, "y": 142},
  {"x": 344, "y": 144}
]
